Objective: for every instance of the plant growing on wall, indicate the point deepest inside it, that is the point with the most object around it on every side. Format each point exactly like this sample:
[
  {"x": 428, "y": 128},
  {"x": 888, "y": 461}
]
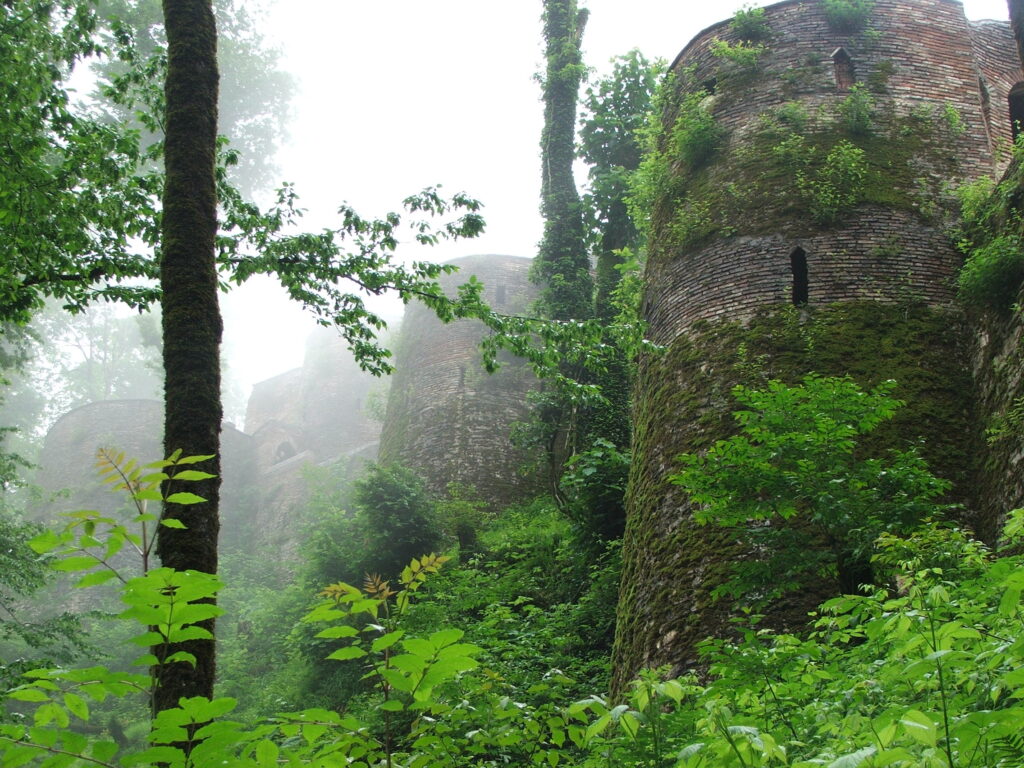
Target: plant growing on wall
[
  {"x": 847, "y": 15},
  {"x": 796, "y": 456},
  {"x": 750, "y": 24}
]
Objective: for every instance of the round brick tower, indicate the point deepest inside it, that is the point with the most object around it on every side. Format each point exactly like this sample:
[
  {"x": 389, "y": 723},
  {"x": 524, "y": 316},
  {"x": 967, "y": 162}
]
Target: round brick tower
[
  {"x": 801, "y": 205},
  {"x": 447, "y": 419}
]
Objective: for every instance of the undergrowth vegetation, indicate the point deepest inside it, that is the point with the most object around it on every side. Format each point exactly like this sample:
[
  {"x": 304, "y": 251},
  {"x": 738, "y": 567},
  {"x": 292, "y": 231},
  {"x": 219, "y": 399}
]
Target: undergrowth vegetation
[{"x": 496, "y": 654}]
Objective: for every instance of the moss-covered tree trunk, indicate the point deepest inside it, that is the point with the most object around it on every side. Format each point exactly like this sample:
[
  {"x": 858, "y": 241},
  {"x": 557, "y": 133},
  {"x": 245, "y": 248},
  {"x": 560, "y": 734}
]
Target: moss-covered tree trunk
[
  {"x": 563, "y": 265},
  {"x": 191, "y": 317},
  {"x": 1017, "y": 22}
]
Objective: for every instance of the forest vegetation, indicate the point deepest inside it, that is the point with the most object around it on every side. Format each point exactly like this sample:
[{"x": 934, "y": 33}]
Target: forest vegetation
[{"x": 420, "y": 629}]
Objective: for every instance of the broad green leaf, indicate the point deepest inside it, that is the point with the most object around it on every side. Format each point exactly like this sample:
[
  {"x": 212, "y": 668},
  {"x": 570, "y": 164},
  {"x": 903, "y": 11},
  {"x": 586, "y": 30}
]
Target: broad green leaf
[
  {"x": 391, "y": 705},
  {"x": 343, "y": 630},
  {"x": 446, "y": 637},
  {"x": 27, "y": 694},
  {"x": 192, "y": 474},
  {"x": 45, "y": 542},
  {"x": 1009, "y": 602},
  {"x": 919, "y": 727},
  {"x": 348, "y": 652},
  {"x": 97, "y": 577},
  {"x": 854, "y": 759},
  {"x": 184, "y": 498},
  {"x": 386, "y": 641},
  {"x": 76, "y": 705},
  {"x": 80, "y": 563},
  {"x": 193, "y": 459},
  {"x": 266, "y": 754},
  {"x": 173, "y": 522}
]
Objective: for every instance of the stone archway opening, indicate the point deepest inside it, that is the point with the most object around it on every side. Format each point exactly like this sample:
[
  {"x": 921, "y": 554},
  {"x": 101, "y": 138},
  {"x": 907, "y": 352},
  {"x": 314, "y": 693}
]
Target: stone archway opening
[
  {"x": 1016, "y": 103},
  {"x": 843, "y": 63}
]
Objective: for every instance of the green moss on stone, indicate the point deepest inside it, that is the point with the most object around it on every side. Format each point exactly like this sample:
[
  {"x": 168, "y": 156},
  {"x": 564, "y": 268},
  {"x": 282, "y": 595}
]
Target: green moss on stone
[{"x": 684, "y": 404}]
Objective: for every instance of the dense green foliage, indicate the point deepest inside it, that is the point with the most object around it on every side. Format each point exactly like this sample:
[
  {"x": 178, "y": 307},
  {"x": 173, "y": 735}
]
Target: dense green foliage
[
  {"x": 796, "y": 459},
  {"x": 561, "y": 267},
  {"x": 847, "y": 15},
  {"x": 990, "y": 237},
  {"x": 922, "y": 672}
]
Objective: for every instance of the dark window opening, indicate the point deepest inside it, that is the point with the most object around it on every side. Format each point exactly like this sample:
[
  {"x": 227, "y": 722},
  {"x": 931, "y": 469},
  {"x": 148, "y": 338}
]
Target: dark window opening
[
  {"x": 1016, "y": 109},
  {"x": 798, "y": 263},
  {"x": 499, "y": 294},
  {"x": 845, "y": 78},
  {"x": 710, "y": 85},
  {"x": 284, "y": 452},
  {"x": 986, "y": 103}
]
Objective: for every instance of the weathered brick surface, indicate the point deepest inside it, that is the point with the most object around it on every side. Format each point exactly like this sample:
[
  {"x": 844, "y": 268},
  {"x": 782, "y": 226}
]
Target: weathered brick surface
[
  {"x": 918, "y": 58},
  {"x": 879, "y": 255},
  {"x": 448, "y": 419}
]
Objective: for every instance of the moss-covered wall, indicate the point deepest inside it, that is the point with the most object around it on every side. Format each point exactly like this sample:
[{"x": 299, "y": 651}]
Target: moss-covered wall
[
  {"x": 858, "y": 180},
  {"x": 446, "y": 417}
]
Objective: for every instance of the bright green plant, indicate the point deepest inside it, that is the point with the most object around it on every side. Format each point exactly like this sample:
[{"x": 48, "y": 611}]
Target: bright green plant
[
  {"x": 855, "y": 111},
  {"x": 796, "y": 457},
  {"x": 992, "y": 274},
  {"x": 750, "y": 24},
  {"x": 835, "y": 187},
  {"x": 743, "y": 57},
  {"x": 847, "y": 15},
  {"x": 695, "y": 136}
]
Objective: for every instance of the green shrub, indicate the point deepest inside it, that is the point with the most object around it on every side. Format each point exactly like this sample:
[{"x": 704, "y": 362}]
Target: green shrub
[
  {"x": 992, "y": 275},
  {"x": 749, "y": 24},
  {"x": 744, "y": 57},
  {"x": 696, "y": 135},
  {"x": 855, "y": 111},
  {"x": 847, "y": 15},
  {"x": 836, "y": 187}
]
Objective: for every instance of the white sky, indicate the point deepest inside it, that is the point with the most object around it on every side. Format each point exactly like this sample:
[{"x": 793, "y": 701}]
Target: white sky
[{"x": 395, "y": 95}]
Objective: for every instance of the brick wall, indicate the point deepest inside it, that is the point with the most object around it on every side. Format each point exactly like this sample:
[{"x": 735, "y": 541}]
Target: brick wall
[{"x": 446, "y": 418}]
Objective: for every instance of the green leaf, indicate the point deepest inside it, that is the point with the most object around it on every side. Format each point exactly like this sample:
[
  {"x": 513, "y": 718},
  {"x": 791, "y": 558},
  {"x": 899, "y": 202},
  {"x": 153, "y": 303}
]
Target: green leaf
[
  {"x": 386, "y": 641},
  {"x": 854, "y": 759},
  {"x": 446, "y": 637},
  {"x": 266, "y": 754},
  {"x": 76, "y": 563},
  {"x": 193, "y": 459},
  {"x": 97, "y": 577},
  {"x": 341, "y": 631},
  {"x": 192, "y": 474},
  {"x": 45, "y": 542},
  {"x": 173, "y": 522},
  {"x": 28, "y": 694},
  {"x": 349, "y": 652},
  {"x": 919, "y": 727},
  {"x": 76, "y": 705},
  {"x": 391, "y": 705},
  {"x": 184, "y": 498},
  {"x": 1009, "y": 602}
]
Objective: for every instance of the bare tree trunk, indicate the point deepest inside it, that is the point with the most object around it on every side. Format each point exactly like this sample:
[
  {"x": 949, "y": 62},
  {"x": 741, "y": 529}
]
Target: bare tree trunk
[
  {"x": 191, "y": 316},
  {"x": 1017, "y": 23}
]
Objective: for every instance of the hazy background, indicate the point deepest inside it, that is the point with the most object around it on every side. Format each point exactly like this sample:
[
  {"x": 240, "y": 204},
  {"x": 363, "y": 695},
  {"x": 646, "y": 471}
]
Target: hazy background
[{"x": 395, "y": 95}]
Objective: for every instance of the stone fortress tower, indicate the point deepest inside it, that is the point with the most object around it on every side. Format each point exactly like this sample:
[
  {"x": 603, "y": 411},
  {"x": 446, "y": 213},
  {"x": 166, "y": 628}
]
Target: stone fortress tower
[
  {"x": 801, "y": 214},
  {"x": 312, "y": 415},
  {"x": 448, "y": 419}
]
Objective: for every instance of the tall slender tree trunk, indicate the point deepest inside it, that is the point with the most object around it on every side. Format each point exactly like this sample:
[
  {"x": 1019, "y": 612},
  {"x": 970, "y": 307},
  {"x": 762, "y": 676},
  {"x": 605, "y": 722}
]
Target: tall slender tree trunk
[
  {"x": 191, "y": 316},
  {"x": 1017, "y": 23},
  {"x": 563, "y": 265}
]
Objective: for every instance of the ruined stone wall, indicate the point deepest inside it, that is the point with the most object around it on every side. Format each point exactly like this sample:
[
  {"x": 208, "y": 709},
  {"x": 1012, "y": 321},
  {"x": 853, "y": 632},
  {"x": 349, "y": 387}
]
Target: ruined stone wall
[
  {"x": 876, "y": 300},
  {"x": 447, "y": 419},
  {"x": 135, "y": 427}
]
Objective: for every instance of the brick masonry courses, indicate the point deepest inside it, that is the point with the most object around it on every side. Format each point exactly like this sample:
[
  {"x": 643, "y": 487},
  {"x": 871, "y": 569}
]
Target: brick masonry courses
[
  {"x": 920, "y": 57},
  {"x": 447, "y": 419}
]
